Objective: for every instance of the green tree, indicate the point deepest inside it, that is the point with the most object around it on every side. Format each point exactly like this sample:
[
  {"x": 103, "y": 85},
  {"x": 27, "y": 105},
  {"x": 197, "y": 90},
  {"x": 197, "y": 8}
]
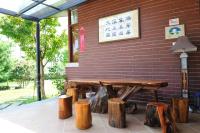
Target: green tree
[
  {"x": 22, "y": 72},
  {"x": 5, "y": 61},
  {"x": 56, "y": 70},
  {"x": 23, "y": 32}
]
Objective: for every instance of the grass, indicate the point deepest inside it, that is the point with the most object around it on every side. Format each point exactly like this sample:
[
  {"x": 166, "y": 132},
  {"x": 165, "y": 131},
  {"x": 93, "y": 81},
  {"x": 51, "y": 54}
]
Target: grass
[{"x": 26, "y": 94}]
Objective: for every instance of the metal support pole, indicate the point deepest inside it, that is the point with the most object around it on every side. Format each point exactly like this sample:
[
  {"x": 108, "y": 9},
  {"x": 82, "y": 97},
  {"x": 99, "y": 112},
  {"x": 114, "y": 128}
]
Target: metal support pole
[{"x": 38, "y": 60}]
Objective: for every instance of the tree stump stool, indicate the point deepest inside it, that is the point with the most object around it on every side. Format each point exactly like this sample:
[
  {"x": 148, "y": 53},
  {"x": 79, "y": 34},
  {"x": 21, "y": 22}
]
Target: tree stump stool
[
  {"x": 65, "y": 106},
  {"x": 159, "y": 114},
  {"x": 180, "y": 109},
  {"x": 116, "y": 113},
  {"x": 74, "y": 93},
  {"x": 83, "y": 114}
]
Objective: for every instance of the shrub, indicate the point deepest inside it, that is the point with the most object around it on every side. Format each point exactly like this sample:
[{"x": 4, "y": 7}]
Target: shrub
[{"x": 4, "y": 88}]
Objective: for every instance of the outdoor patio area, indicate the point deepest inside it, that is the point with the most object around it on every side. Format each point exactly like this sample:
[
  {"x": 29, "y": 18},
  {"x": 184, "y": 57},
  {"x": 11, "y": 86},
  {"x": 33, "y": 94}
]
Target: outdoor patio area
[
  {"x": 42, "y": 117},
  {"x": 117, "y": 66}
]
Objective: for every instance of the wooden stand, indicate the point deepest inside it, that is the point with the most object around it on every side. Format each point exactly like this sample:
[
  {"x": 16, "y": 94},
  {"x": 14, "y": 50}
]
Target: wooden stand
[
  {"x": 116, "y": 113},
  {"x": 74, "y": 93},
  {"x": 65, "y": 106},
  {"x": 83, "y": 114},
  {"x": 180, "y": 108},
  {"x": 99, "y": 102},
  {"x": 160, "y": 114}
]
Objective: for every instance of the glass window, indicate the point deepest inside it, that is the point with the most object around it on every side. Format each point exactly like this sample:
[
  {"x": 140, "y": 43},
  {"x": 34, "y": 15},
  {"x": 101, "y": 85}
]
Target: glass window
[
  {"x": 75, "y": 42},
  {"x": 74, "y": 34},
  {"x": 74, "y": 16}
]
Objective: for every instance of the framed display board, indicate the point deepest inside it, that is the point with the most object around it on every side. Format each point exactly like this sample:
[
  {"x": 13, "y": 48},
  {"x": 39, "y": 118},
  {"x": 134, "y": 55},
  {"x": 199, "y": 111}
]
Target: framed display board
[{"x": 119, "y": 27}]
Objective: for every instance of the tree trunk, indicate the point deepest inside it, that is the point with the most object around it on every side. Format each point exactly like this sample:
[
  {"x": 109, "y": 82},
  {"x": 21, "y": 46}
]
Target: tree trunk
[
  {"x": 42, "y": 80},
  {"x": 116, "y": 113},
  {"x": 65, "y": 106},
  {"x": 180, "y": 108},
  {"x": 83, "y": 115},
  {"x": 74, "y": 93}
]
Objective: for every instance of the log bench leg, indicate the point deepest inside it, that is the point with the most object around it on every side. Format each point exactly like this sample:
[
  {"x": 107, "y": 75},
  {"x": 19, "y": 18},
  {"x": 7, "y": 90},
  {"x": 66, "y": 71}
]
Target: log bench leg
[{"x": 74, "y": 93}]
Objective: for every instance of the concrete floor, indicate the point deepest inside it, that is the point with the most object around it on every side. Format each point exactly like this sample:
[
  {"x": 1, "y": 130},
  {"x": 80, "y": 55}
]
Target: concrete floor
[{"x": 42, "y": 117}]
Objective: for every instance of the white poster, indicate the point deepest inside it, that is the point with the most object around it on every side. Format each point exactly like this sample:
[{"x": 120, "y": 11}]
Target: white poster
[{"x": 121, "y": 26}]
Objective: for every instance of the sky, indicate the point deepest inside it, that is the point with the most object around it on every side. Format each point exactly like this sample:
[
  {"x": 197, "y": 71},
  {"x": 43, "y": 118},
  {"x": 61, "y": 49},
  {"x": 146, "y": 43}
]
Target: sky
[{"x": 63, "y": 24}]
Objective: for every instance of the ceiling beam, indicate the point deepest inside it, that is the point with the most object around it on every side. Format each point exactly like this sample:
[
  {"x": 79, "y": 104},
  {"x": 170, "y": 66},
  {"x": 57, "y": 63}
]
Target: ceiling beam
[
  {"x": 28, "y": 17},
  {"x": 8, "y": 12},
  {"x": 67, "y": 5},
  {"x": 48, "y": 5}
]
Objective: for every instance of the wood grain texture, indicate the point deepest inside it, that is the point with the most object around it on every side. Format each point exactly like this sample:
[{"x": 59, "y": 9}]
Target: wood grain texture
[
  {"x": 83, "y": 115},
  {"x": 116, "y": 113},
  {"x": 148, "y": 57},
  {"x": 160, "y": 114},
  {"x": 180, "y": 108},
  {"x": 74, "y": 93},
  {"x": 125, "y": 82},
  {"x": 65, "y": 106}
]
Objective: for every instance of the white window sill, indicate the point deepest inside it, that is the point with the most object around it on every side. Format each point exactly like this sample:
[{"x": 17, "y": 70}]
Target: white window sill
[{"x": 72, "y": 65}]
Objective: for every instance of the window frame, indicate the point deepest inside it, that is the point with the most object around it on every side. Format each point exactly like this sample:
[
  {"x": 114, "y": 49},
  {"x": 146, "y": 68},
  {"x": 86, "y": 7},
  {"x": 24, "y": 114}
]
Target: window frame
[{"x": 70, "y": 36}]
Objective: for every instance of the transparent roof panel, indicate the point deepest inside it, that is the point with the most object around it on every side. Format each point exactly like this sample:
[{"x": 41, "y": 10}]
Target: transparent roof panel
[
  {"x": 15, "y": 5},
  {"x": 55, "y": 3},
  {"x": 36, "y": 9},
  {"x": 39, "y": 11}
]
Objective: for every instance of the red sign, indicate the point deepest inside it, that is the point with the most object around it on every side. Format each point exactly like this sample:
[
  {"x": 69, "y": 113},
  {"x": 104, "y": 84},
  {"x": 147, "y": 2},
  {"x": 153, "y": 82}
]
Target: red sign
[{"x": 82, "y": 39}]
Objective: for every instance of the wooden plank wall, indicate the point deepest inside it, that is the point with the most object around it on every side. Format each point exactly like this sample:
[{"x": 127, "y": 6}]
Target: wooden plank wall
[{"x": 148, "y": 57}]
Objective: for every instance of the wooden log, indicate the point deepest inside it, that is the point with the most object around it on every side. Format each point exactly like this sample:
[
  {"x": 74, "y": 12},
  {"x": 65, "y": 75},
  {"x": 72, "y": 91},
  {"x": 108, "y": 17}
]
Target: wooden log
[
  {"x": 99, "y": 102},
  {"x": 161, "y": 108},
  {"x": 74, "y": 93},
  {"x": 180, "y": 109},
  {"x": 160, "y": 114},
  {"x": 116, "y": 113},
  {"x": 65, "y": 106},
  {"x": 83, "y": 114},
  {"x": 152, "y": 118}
]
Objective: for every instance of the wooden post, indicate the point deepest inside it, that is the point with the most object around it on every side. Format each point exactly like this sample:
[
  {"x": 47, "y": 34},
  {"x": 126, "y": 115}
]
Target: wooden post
[
  {"x": 116, "y": 113},
  {"x": 83, "y": 114},
  {"x": 180, "y": 108},
  {"x": 65, "y": 106},
  {"x": 74, "y": 93}
]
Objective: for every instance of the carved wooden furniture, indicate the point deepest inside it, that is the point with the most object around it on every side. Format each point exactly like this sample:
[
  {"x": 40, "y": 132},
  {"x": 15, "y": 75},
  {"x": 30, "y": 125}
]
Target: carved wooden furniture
[
  {"x": 160, "y": 114},
  {"x": 83, "y": 114},
  {"x": 65, "y": 106},
  {"x": 132, "y": 86},
  {"x": 180, "y": 108},
  {"x": 99, "y": 102},
  {"x": 74, "y": 93},
  {"x": 116, "y": 113}
]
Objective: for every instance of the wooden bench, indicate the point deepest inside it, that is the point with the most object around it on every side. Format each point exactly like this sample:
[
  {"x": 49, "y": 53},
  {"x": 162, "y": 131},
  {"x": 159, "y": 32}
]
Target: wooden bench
[{"x": 129, "y": 87}]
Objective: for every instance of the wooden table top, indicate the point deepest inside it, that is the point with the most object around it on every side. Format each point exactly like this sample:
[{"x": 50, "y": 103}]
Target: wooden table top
[{"x": 127, "y": 82}]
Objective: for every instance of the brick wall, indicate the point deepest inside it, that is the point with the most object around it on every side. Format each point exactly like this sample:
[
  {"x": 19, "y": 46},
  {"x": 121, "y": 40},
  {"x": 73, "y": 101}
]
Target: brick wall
[{"x": 148, "y": 57}]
